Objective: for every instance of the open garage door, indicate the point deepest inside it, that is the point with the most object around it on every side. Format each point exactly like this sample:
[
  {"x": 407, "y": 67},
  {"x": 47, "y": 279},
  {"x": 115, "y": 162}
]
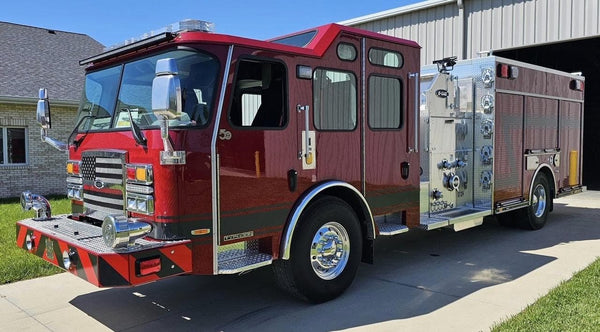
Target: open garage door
[{"x": 574, "y": 56}]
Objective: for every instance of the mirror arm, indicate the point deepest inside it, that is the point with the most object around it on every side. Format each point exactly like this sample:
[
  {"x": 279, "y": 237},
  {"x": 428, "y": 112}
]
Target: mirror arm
[{"x": 60, "y": 146}]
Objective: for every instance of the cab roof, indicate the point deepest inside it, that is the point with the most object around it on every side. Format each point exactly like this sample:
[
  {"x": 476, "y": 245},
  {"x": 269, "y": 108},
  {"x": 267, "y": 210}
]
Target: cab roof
[{"x": 311, "y": 42}]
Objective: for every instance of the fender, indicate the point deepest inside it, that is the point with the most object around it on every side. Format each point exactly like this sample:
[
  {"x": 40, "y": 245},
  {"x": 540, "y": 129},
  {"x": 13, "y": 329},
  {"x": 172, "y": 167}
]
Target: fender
[
  {"x": 311, "y": 195},
  {"x": 553, "y": 183}
]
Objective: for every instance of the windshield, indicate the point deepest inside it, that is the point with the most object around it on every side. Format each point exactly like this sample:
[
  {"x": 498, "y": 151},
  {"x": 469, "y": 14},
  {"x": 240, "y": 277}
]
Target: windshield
[{"x": 111, "y": 94}]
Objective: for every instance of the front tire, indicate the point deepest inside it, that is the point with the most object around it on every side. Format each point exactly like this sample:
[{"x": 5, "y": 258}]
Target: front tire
[
  {"x": 325, "y": 253},
  {"x": 541, "y": 200}
]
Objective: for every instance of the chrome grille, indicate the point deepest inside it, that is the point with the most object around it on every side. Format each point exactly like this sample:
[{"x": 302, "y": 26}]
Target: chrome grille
[{"x": 103, "y": 191}]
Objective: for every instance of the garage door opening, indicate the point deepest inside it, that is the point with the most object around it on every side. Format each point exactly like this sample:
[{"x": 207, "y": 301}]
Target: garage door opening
[{"x": 574, "y": 56}]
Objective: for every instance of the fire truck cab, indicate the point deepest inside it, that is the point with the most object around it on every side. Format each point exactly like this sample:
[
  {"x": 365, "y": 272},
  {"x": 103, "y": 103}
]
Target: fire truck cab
[{"x": 200, "y": 153}]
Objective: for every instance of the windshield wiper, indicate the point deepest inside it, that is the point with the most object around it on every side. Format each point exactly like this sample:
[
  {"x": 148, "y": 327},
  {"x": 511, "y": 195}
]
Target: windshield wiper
[
  {"x": 135, "y": 129},
  {"x": 72, "y": 139}
]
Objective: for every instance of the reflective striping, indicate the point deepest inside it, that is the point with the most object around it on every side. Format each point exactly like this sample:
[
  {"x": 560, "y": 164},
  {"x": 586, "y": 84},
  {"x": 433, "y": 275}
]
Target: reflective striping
[{"x": 88, "y": 268}]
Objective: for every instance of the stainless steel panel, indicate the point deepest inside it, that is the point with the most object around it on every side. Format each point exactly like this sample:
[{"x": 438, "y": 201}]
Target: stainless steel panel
[{"x": 458, "y": 151}]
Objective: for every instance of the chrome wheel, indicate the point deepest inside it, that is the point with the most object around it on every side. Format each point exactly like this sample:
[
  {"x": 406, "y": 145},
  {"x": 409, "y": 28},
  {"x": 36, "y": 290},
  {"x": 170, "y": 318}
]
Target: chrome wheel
[
  {"x": 321, "y": 264},
  {"x": 539, "y": 200},
  {"x": 541, "y": 203},
  {"x": 330, "y": 250}
]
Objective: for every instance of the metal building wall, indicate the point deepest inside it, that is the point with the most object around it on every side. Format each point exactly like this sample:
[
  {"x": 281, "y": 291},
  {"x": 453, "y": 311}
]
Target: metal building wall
[
  {"x": 437, "y": 29},
  {"x": 466, "y": 27}
]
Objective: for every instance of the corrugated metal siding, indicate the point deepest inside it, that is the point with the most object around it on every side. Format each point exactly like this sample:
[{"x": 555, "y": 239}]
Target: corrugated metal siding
[
  {"x": 490, "y": 25},
  {"x": 498, "y": 24},
  {"x": 435, "y": 29}
]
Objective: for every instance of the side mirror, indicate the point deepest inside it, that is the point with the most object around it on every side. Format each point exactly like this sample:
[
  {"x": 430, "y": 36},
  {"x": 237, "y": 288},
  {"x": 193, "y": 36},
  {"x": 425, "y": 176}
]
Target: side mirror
[
  {"x": 43, "y": 110},
  {"x": 43, "y": 118},
  {"x": 166, "y": 89}
]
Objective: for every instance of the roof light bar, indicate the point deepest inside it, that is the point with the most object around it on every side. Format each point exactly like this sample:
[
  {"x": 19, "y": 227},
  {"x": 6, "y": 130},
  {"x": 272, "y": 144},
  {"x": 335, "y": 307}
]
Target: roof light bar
[{"x": 155, "y": 36}]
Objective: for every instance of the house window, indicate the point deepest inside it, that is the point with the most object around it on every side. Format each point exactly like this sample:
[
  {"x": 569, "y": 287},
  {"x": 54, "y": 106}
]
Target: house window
[
  {"x": 13, "y": 142},
  {"x": 334, "y": 98}
]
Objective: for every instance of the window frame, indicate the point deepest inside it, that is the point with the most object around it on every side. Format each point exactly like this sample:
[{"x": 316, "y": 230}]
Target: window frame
[
  {"x": 401, "y": 57},
  {"x": 337, "y": 51},
  {"x": 4, "y": 147},
  {"x": 285, "y": 90},
  {"x": 356, "y": 99},
  {"x": 115, "y": 102},
  {"x": 368, "y": 101}
]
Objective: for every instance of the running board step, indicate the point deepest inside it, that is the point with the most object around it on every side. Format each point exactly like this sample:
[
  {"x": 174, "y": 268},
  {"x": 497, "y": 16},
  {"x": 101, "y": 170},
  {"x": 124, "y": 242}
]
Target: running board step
[
  {"x": 459, "y": 219},
  {"x": 390, "y": 224},
  {"x": 242, "y": 256}
]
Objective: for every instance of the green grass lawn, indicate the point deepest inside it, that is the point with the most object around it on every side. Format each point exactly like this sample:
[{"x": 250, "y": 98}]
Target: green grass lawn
[
  {"x": 17, "y": 264},
  {"x": 572, "y": 306}
]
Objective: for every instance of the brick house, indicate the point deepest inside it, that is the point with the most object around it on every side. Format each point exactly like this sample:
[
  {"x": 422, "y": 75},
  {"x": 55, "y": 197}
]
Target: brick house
[{"x": 31, "y": 58}]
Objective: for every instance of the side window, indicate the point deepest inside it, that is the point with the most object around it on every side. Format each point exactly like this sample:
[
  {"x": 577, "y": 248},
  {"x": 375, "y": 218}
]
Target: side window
[
  {"x": 259, "y": 98},
  {"x": 385, "y": 102},
  {"x": 334, "y": 100},
  {"x": 13, "y": 145},
  {"x": 386, "y": 58}
]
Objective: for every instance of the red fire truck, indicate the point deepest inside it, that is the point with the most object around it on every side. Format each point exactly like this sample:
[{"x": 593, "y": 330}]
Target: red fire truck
[{"x": 200, "y": 153}]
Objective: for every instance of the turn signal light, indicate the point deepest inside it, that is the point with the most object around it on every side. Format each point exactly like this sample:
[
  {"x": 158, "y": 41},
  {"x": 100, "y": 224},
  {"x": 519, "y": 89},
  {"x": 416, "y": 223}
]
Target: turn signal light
[
  {"x": 73, "y": 167},
  {"x": 139, "y": 173},
  {"x": 577, "y": 85},
  {"x": 506, "y": 71}
]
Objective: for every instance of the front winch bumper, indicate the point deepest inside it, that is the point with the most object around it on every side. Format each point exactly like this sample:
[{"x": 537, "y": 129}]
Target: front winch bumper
[{"x": 79, "y": 248}]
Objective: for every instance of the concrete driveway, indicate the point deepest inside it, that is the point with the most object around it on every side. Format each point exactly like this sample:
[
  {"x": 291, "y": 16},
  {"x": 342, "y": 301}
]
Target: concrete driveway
[{"x": 421, "y": 281}]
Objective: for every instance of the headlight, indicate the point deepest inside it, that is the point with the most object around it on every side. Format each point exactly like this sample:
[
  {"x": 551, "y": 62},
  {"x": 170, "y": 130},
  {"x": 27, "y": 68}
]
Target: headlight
[
  {"x": 75, "y": 192},
  {"x": 140, "y": 203}
]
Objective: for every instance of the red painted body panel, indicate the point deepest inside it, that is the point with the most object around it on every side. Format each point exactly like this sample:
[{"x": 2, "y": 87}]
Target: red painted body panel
[
  {"x": 509, "y": 147},
  {"x": 536, "y": 112},
  {"x": 570, "y": 139}
]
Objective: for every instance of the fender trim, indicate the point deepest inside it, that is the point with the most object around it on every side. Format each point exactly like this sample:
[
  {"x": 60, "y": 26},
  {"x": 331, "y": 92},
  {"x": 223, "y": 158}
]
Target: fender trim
[
  {"x": 309, "y": 196},
  {"x": 535, "y": 175}
]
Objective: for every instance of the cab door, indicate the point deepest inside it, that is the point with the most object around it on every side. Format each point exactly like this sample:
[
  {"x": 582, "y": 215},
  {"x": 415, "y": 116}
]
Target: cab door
[
  {"x": 256, "y": 147},
  {"x": 391, "y": 158},
  {"x": 335, "y": 115}
]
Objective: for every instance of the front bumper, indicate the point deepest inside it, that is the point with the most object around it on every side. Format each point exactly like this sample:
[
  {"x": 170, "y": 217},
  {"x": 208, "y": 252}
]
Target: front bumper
[{"x": 78, "y": 248}]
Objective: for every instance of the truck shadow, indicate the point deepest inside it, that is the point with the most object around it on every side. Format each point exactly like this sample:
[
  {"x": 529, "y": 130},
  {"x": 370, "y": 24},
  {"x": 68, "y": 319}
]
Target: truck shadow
[{"x": 414, "y": 274}]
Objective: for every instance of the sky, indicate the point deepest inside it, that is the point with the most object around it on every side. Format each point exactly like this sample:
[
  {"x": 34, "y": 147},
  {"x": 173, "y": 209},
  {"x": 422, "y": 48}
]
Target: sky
[{"x": 111, "y": 22}]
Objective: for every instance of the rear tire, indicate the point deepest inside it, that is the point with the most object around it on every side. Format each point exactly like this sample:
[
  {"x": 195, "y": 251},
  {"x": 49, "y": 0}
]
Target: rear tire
[
  {"x": 325, "y": 252},
  {"x": 535, "y": 215}
]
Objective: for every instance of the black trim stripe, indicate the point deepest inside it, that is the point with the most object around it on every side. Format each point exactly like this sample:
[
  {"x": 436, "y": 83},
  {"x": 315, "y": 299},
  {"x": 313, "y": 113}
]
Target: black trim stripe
[{"x": 108, "y": 276}]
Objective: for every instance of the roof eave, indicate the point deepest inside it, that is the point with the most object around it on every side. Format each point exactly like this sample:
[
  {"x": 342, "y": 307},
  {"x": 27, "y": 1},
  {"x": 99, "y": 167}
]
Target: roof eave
[
  {"x": 30, "y": 101},
  {"x": 397, "y": 11}
]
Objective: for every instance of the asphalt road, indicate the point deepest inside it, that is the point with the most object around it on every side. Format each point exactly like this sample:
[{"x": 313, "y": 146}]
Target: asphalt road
[{"x": 435, "y": 281}]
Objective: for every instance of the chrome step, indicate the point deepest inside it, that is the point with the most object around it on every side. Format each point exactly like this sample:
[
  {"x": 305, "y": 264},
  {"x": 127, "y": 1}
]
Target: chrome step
[
  {"x": 390, "y": 224},
  {"x": 242, "y": 256},
  {"x": 429, "y": 223},
  {"x": 458, "y": 218}
]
